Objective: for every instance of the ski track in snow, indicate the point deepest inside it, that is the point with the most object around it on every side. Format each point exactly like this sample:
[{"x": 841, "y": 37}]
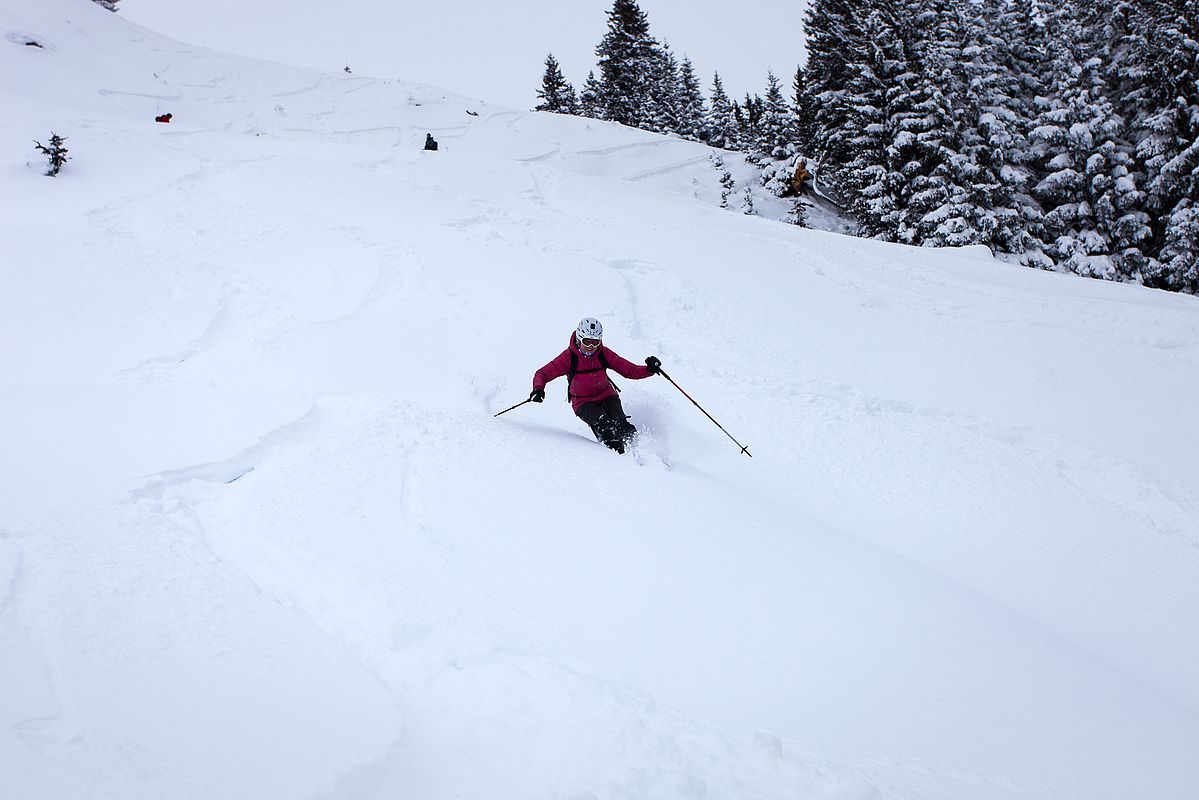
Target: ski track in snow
[
  {"x": 669, "y": 168},
  {"x": 209, "y": 335},
  {"x": 233, "y": 468},
  {"x": 525, "y": 687},
  {"x": 1153, "y": 503}
]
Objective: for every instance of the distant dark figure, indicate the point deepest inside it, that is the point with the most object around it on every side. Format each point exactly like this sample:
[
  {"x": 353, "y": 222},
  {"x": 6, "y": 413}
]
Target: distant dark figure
[
  {"x": 430, "y": 142},
  {"x": 163, "y": 118}
]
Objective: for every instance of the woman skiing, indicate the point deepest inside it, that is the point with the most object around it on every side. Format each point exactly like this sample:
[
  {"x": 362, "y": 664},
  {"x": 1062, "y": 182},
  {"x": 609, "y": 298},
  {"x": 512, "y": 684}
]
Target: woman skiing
[{"x": 592, "y": 394}]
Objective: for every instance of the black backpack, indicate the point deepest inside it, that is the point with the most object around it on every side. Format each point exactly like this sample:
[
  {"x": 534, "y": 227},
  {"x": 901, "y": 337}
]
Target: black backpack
[{"x": 574, "y": 370}]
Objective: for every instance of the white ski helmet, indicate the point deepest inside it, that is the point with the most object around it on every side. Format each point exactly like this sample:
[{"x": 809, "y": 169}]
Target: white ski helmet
[{"x": 588, "y": 328}]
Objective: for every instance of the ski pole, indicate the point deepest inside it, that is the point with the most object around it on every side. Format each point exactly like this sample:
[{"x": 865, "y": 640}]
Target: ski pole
[
  {"x": 744, "y": 448},
  {"x": 518, "y": 405}
]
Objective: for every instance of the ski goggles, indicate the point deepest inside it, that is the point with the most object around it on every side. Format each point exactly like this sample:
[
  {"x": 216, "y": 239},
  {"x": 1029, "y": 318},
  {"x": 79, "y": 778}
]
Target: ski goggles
[{"x": 589, "y": 344}]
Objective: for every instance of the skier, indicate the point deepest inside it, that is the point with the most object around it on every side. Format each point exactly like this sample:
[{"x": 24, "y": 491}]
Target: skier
[
  {"x": 430, "y": 142},
  {"x": 591, "y": 393},
  {"x": 800, "y": 179}
]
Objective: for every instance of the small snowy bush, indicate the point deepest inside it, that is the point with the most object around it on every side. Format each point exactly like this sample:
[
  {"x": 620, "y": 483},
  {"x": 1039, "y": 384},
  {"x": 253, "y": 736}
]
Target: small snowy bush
[{"x": 56, "y": 153}]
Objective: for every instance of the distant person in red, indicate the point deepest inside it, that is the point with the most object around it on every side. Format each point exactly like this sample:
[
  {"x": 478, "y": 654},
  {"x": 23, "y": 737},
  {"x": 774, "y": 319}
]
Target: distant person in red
[
  {"x": 592, "y": 395},
  {"x": 163, "y": 118}
]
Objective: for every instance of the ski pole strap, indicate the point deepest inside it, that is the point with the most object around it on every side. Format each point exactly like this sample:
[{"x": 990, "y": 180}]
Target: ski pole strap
[{"x": 744, "y": 448}]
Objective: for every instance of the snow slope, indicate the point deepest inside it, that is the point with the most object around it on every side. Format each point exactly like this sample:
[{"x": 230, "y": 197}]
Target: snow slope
[{"x": 260, "y": 535}]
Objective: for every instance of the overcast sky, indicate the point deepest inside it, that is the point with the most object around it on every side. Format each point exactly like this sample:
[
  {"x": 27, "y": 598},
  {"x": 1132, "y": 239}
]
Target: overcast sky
[{"x": 488, "y": 50}]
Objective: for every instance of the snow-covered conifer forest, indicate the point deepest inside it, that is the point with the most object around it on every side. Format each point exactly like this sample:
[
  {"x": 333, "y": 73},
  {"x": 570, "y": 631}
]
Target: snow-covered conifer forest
[
  {"x": 1061, "y": 135},
  {"x": 263, "y": 536}
]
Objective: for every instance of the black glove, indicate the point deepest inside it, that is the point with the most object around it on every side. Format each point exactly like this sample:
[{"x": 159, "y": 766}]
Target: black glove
[
  {"x": 655, "y": 366},
  {"x": 537, "y": 395}
]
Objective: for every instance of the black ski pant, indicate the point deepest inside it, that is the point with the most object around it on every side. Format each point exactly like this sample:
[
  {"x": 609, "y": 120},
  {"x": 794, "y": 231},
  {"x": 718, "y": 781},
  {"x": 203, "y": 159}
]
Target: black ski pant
[{"x": 608, "y": 422}]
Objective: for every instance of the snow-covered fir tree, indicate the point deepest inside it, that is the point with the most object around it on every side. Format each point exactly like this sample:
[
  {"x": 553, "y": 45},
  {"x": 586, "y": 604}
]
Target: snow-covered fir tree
[
  {"x": 1015, "y": 47},
  {"x": 720, "y": 127},
  {"x": 1107, "y": 41},
  {"x": 942, "y": 210},
  {"x": 691, "y": 103},
  {"x": 1065, "y": 137},
  {"x": 1169, "y": 138},
  {"x": 556, "y": 94},
  {"x": 1179, "y": 256},
  {"x": 628, "y": 60},
  {"x": 750, "y": 114},
  {"x": 798, "y": 214},
  {"x": 802, "y": 106},
  {"x": 947, "y": 122},
  {"x": 833, "y": 33},
  {"x": 747, "y": 202},
  {"x": 665, "y": 92},
  {"x": 774, "y": 137},
  {"x": 879, "y": 88},
  {"x": 1093, "y": 223},
  {"x": 589, "y": 98},
  {"x": 989, "y": 135},
  {"x": 727, "y": 183},
  {"x": 55, "y": 153}
]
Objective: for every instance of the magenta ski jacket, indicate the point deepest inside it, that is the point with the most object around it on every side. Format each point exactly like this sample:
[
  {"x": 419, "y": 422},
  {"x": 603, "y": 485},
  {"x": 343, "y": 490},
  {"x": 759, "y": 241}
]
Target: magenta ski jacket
[{"x": 590, "y": 383}]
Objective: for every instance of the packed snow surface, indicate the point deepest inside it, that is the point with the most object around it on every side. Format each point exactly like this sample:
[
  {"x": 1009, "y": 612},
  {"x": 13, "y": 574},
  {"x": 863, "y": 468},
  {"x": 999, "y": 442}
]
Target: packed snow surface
[{"x": 262, "y": 537}]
